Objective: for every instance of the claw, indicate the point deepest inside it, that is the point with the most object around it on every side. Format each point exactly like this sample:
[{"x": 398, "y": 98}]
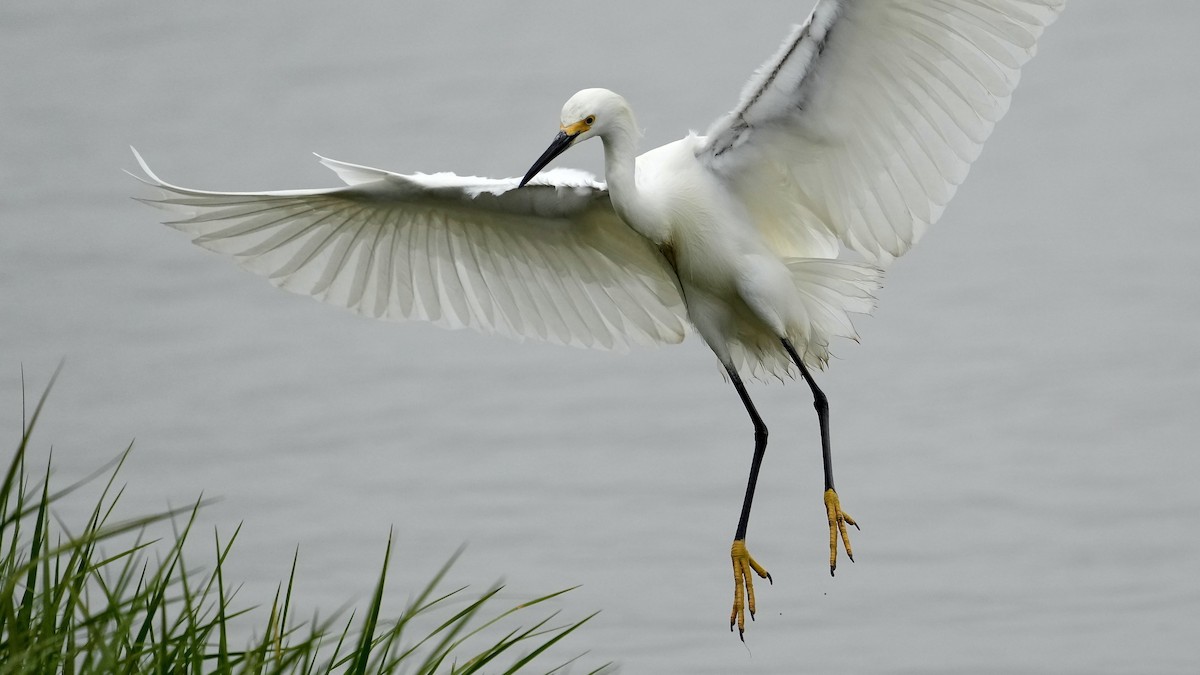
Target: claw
[
  {"x": 837, "y": 526},
  {"x": 743, "y": 586}
]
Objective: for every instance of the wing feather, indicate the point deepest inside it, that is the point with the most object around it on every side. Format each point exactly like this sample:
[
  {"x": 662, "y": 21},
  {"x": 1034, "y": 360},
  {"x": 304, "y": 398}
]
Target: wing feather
[
  {"x": 551, "y": 261},
  {"x": 876, "y": 109}
]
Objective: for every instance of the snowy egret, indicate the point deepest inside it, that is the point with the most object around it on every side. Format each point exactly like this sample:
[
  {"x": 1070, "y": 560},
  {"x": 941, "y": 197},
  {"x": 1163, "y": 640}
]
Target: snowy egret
[{"x": 856, "y": 133}]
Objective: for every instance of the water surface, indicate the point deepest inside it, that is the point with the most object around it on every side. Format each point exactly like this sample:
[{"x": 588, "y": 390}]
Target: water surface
[{"x": 1016, "y": 433}]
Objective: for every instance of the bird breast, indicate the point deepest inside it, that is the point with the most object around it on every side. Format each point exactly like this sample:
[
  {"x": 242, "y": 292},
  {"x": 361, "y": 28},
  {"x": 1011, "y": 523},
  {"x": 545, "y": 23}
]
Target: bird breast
[{"x": 693, "y": 217}]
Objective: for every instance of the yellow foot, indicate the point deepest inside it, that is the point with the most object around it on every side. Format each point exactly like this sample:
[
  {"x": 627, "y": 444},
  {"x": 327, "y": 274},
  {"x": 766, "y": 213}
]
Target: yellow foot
[
  {"x": 743, "y": 585},
  {"x": 837, "y": 525}
]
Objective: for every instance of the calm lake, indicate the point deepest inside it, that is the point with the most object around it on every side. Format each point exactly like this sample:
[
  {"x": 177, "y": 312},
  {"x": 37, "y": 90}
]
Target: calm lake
[{"x": 1016, "y": 433}]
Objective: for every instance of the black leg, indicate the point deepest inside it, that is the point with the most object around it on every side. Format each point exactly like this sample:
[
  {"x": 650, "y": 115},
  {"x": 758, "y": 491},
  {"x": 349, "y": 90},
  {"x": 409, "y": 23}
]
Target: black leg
[
  {"x": 837, "y": 518},
  {"x": 760, "y": 449},
  {"x": 822, "y": 405},
  {"x": 744, "y": 566}
]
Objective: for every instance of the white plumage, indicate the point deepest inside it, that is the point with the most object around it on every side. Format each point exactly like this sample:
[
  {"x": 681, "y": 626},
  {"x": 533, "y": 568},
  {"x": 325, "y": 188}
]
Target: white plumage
[
  {"x": 550, "y": 261},
  {"x": 856, "y": 134}
]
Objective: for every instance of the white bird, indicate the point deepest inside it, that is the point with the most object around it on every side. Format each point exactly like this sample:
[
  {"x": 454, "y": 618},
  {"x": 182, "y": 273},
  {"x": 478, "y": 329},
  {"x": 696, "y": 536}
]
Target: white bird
[{"x": 855, "y": 134}]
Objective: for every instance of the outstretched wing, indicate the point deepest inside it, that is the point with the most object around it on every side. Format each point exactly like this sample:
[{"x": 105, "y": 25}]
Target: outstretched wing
[
  {"x": 550, "y": 261},
  {"x": 872, "y": 112}
]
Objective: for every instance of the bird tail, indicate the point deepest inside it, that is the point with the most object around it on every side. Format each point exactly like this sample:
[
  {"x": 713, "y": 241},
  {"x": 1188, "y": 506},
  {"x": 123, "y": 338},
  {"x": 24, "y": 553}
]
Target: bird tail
[{"x": 829, "y": 292}]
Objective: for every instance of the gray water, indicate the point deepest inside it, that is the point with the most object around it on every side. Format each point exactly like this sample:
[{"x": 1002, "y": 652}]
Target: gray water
[{"x": 1016, "y": 433}]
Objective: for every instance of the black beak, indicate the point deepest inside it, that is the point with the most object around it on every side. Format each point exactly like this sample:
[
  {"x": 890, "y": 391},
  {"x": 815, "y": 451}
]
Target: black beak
[{"x": 561, "y": 142}]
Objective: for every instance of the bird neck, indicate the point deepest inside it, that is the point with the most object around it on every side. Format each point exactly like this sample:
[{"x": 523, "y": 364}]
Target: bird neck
[{"x": 620, "y": 172}]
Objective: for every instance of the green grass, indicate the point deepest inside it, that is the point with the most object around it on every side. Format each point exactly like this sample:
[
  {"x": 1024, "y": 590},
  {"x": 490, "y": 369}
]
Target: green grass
[{"x": 69, "y": 606}]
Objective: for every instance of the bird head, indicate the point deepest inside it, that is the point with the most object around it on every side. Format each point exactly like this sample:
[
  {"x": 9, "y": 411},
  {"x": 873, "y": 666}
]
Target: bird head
[{"x": 588, "y": 113}]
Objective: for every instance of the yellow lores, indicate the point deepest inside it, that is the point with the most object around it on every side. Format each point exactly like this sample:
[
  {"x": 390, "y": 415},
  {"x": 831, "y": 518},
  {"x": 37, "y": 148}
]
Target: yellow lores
[{"x": 579, "y": 127}]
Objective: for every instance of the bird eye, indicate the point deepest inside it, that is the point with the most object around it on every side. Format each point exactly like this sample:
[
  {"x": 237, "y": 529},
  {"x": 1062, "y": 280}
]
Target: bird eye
[{"x": 590, "y": 120}]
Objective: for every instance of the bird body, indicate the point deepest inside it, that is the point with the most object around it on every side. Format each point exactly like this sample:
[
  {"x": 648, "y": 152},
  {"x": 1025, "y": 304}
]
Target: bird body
[
  {"x": 854, "y": 135},
  {"x": 742, "y": 291}
]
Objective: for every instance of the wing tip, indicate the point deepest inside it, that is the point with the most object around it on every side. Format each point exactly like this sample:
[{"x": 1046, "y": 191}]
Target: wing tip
[{"x": 153, "y": 178}]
